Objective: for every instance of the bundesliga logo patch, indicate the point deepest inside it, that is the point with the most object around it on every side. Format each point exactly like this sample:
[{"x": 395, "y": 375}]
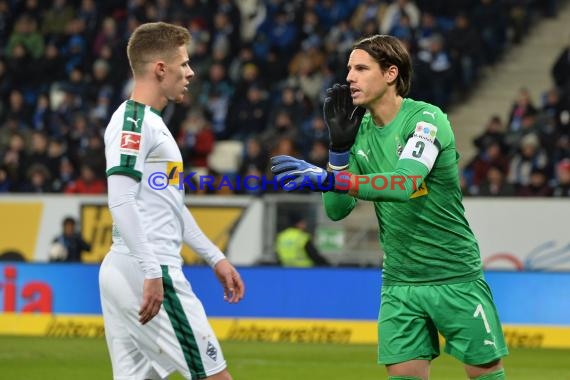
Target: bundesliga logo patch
[
  {"x": 425, "y": 131},
  {"x": 130, "y": 142}
]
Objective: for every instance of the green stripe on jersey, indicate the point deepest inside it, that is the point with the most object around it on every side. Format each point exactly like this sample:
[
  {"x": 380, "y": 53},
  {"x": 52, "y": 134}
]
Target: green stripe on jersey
[
  {"x": 182, "y": 327},
  {"x": 133, "y": 112}
]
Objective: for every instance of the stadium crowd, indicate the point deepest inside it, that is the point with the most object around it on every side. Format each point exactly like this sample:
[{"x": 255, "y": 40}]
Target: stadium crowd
[{"x": 261, "y": 70}]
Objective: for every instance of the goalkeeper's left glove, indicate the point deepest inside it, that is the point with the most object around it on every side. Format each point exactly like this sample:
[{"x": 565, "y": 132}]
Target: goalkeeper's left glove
[{"x": 294, "y": 174}]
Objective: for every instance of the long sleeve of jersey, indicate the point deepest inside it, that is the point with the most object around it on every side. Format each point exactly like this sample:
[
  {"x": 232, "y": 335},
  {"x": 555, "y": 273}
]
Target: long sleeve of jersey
[
  {"x": 396, "y": 186},
  {"x": 338, "y": 206},
  {"x": 123, "y": 206},
  {"x": 195, "y": 238}
]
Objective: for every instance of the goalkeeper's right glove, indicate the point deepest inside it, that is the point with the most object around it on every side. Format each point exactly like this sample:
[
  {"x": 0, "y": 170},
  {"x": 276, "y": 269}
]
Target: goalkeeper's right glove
[{"x": 342, "y": 119}]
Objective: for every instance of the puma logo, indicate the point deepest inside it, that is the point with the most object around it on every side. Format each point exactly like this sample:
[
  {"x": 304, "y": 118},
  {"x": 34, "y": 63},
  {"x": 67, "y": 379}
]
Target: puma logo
[
  {"x": 135, "y": 122},
  {"x": 360, "y": 152},
  {"x": 432, "y": 114}
]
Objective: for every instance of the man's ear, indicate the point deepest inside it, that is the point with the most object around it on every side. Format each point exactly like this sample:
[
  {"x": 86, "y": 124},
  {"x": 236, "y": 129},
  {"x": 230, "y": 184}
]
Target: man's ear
[
  {"x": 160, "y": 69},
  {"x": 391, "y": 74}
]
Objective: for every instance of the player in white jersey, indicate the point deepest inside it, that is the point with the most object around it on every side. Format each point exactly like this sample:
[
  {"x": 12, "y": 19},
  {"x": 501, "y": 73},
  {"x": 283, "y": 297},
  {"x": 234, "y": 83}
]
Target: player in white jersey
[{"x": 154, "y": 323}]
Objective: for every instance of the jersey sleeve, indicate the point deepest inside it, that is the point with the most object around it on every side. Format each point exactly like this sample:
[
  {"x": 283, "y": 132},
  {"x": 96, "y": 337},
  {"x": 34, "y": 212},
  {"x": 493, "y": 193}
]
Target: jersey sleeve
[
  {"x": 429, "y": 134},
  {"x": 127, "y": 142}
]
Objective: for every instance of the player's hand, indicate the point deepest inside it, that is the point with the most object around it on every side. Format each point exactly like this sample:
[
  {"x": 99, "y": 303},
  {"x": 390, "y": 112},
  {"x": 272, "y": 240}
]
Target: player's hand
[
  {"x": 294, "y": 174},
  {"x": 234, "y": 288},
  {"x": 341, "y": 117},
  {"x": 153, "y": 295}
]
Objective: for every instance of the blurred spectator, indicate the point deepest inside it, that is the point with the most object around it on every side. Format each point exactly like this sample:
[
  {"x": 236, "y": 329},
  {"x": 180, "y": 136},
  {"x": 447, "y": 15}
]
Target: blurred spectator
[
  {"x": 65, "y": 177},
  {"x": 215, "y": 95},
  {"x": 5, "y": 182},
  {"x": 14, "y": 158},
  {"x": 282, "y": 128},
  {"x": 93, "y": 154},
  {"x": 55, "y": 20},
  {"x": 465, "y": 47},
  {"x": 562, "y": 188},
  {"x": 435, "y": 72},
  {"x": 255, "y": 158},
  {"x": 494, "y": 133},
  {"x": 250, "y": 115},
  {"x": 38, "y": 180},
  {"x": 396, "y": 10},
  {"x": 368, "y": 10},
  {"x": 319, "y": 154},
  {"x": 295, "y": 248},
  {"x": 522, "y": 106},
  {"x": 427, "y": 28},
  {"x": 18, "y": 110},
  {"x": 491, "y": 20},
  {"x": 6, "y": 20},
  {"x": 71, "y": 244},
  {"x": 196, "y": 140},
  {"x": 492, "y": 155},
  {"x": 529, "y": 158},
  {"x": 538, "y": 185},
  {"x": 38, "y": 151},
  {"x": 42, "y": 117},
  {"x": 51, "y": 66},
  {"x": 26, "y": 35},
  {"x": 87, "y": 183},
  {"x": 494, "y": 185}
]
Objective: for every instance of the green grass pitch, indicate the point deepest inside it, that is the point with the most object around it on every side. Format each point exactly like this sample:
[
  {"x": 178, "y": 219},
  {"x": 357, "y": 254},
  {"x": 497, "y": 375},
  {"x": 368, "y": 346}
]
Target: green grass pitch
[{"x": 23, "y": 358}]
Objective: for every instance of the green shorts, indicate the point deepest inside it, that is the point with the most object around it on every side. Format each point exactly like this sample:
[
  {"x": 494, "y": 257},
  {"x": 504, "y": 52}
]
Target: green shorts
[{"x": 464, "y": 314}]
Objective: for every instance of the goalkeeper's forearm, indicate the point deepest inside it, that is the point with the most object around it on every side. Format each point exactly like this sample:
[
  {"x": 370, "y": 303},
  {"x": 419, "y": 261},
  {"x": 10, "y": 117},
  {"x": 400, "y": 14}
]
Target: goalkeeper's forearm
[
  {"x": 396, "y": 186},
  {"x": 338, "y": 206}
]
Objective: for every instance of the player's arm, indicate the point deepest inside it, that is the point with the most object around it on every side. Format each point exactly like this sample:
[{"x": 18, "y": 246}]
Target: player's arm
[
  {"x": 395, "y": 186},
  {"x": 416, "y": 161},
  {"x": 195, "y": 239},
  {"x": 123, "y": 207},
  {"x": 228, "y": 276},
  {"x": 125, "y": 153},
  {"x": 338, "y": 205}
]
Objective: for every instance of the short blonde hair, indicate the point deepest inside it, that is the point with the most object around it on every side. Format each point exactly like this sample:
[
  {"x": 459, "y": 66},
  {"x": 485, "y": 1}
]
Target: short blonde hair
[{"x": 154, "y": 40}]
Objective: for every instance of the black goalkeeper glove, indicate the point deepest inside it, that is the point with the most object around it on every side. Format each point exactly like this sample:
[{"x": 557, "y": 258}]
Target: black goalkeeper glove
[{"x": 341, "y": 117}]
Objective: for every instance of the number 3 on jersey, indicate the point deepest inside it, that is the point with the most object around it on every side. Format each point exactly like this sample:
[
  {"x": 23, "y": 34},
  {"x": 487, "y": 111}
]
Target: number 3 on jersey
[{"x": 417, "y": 153}]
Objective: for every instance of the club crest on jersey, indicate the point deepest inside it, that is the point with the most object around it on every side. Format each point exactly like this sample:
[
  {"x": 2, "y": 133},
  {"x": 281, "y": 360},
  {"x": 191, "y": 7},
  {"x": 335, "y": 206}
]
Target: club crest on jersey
[
  {"x": 130, "y": 142},
  {"x": 212, "y": 351},
  {"x": 425, "y": 131}
]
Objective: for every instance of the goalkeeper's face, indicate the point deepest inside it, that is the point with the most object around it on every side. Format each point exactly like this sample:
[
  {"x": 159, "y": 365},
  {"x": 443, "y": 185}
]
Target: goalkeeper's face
[{"x": 367, "y": 82}]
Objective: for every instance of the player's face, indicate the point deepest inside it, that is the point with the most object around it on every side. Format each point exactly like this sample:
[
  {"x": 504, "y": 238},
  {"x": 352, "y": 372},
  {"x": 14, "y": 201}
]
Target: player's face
[
  {"x": 178, "y": 76},
  {"x": 367, "y": 82}
]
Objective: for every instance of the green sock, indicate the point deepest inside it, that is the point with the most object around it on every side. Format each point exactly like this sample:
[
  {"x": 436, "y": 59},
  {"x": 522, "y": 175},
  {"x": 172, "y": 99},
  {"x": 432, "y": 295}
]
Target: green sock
[{"x": 497, "y": 375}]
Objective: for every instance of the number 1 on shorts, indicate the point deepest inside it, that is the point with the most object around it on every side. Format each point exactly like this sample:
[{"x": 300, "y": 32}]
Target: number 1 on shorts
[{"x": 480, "y": 312}]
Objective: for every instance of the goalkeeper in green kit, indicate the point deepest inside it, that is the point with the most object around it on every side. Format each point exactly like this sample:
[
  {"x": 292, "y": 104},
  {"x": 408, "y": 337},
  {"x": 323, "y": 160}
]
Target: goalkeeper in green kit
[{"x": 401, "y": 155}]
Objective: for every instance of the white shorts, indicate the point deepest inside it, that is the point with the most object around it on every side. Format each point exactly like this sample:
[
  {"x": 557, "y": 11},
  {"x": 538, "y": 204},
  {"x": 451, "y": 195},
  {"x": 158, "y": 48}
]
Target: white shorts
[{"x": 179, "y": 338}]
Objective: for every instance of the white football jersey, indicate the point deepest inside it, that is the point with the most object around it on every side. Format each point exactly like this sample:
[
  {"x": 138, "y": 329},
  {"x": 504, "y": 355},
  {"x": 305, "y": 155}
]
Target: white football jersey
[{"x": 138, "y": 144}]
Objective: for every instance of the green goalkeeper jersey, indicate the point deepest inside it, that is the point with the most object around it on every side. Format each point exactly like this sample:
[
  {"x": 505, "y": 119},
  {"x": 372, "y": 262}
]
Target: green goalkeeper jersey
[{"x": 422, "y": 227}]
